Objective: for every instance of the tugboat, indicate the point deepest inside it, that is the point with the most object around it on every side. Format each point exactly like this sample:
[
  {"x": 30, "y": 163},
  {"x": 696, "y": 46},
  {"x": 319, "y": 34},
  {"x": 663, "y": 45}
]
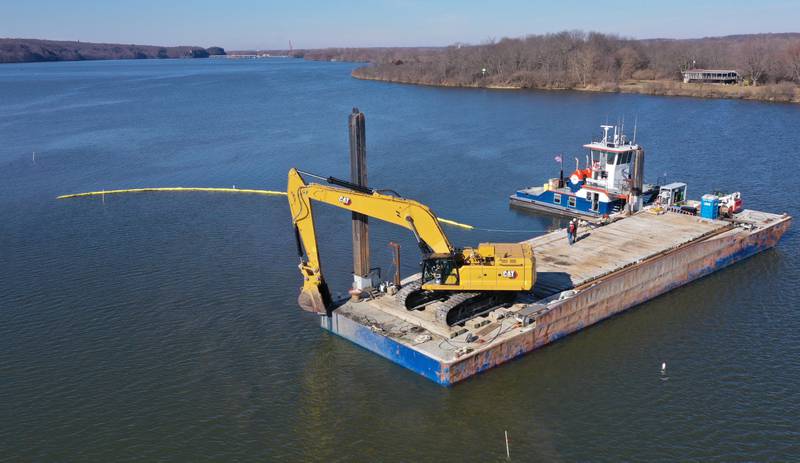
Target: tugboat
[{"x": 610, "y": 182}]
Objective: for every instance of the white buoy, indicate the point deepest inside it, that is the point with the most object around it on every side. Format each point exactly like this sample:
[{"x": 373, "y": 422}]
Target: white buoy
[
  {"x": 663, "y": 367},
  {"x": 34, "y": 157}
]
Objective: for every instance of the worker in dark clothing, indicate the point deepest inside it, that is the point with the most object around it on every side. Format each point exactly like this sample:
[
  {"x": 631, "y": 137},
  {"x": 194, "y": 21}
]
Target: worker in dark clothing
[
  {"x": 575, "y": 231},
  {"x": 571, "y": 229}
]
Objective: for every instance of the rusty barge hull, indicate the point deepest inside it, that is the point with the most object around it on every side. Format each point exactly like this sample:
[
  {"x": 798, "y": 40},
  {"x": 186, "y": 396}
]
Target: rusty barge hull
[{"x": 569, "y": 295}]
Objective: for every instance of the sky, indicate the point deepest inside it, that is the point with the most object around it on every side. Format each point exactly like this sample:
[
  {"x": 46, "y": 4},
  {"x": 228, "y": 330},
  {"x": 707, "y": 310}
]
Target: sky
[{"x": 271, "y": 24}]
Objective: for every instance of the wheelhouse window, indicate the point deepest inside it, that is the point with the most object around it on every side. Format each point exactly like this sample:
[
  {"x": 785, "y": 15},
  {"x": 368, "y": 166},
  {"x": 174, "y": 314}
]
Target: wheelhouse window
[
  {"x": 571, "y": 201},
  {"x": 600, "y": 158},
  {"x": 556, "y": 198},
  {"x": 613, "y": 159}
]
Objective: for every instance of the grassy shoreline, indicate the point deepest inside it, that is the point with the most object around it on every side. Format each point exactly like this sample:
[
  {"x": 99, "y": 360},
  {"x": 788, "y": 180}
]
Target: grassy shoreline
[{"x": 776, "y": 93}]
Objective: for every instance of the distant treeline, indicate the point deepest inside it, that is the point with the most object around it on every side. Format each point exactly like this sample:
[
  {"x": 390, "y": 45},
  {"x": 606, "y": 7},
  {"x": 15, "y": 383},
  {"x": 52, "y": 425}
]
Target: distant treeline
[
  {"x": 591, "y": 61},
  {"x": 32, "y": 50}
]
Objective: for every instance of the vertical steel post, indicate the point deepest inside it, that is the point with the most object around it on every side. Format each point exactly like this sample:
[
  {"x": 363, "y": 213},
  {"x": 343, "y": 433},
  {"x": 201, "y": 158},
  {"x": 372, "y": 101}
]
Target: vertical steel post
[
  {"x": 396, "y": 261},
  {"x": 637, "y": 180},
  {"x": 358, "y": 175}
]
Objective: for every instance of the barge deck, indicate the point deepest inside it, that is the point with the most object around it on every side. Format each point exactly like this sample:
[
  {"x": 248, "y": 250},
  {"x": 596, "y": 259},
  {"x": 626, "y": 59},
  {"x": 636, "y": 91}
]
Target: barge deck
[{"x": 610, "y": 269}]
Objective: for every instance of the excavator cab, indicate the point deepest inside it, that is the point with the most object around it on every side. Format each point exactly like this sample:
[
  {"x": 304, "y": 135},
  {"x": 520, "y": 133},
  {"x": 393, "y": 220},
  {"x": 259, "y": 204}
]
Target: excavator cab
[{"x": 441, "y": 270}]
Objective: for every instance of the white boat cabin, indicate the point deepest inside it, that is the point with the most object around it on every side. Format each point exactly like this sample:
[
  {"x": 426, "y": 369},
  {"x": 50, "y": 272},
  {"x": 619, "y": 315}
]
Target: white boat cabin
[{"x": 611, "y": 161}]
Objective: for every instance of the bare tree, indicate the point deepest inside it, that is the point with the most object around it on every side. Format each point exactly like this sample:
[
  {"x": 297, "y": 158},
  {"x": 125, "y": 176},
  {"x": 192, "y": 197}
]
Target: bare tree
[
  {"x": 628, "y": 61},
  {"x": 584, "y": 64},
  {"x": 755, "y": 59},
  {"x": 793, "y": 60}
]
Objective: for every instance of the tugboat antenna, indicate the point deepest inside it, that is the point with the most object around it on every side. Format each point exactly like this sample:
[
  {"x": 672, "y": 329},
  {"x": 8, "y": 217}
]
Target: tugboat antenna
[
  {"x": 635, "y": 121},
  {"x": 605, "y": 133}
]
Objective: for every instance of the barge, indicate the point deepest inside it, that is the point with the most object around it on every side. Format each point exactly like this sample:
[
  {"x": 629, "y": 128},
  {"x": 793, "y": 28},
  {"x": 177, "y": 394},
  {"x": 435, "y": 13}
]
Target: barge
[{"x": 610, "y": 269}]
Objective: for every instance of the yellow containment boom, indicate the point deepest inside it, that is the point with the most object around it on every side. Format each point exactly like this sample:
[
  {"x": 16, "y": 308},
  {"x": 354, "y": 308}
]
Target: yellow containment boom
[
  {"x": 215, "y": 190},
  {"x": 175, "y": 189}
]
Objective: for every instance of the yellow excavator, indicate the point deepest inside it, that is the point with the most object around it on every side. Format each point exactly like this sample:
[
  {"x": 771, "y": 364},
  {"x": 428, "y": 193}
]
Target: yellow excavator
[{"x": 457, "y": 283}]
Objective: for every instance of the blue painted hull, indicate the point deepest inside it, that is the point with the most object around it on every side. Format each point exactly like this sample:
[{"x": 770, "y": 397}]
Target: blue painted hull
[
  {"x": 387, "y": 348},
  {"x": 582, "y": 207}
]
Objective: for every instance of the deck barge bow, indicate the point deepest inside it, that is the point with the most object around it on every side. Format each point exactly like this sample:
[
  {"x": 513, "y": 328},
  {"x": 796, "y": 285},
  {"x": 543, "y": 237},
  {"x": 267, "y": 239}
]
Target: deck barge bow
[{"x": 610, "y": 269}]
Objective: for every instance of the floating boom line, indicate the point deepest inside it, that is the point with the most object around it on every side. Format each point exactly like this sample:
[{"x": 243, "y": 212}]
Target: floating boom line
[
  {"x": 454, "y": 223},
  {"x": 214, "y": 190},
  {"x": 175, "y": 189}
]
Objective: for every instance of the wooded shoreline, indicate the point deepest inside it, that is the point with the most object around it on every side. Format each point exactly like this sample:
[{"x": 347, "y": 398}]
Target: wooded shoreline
[
  {"x": 36, "y": 51},
  {"x": 781, "y": 94},
  {"x": 767, "y": 66}
]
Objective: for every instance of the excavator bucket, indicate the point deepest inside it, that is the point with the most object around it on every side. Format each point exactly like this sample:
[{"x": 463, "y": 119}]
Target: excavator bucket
[{"x": 316, "y": 299}]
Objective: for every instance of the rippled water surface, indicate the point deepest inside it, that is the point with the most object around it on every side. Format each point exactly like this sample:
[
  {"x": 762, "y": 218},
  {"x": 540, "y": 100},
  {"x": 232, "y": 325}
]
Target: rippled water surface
[{"x": 164, "y": 326}]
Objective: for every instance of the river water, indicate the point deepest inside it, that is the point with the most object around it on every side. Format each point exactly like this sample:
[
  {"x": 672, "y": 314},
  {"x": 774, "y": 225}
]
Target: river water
[{"x": 164, "y": 326}]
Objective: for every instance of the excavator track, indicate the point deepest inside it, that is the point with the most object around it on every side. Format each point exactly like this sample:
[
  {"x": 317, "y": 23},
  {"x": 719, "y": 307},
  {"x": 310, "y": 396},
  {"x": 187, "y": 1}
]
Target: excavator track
[
  {"x": 413, "y": 297},
  {"x": 450, "y": 308},
  {"x": 406, "y": 290},
  {"x": 461, "y": 307}
]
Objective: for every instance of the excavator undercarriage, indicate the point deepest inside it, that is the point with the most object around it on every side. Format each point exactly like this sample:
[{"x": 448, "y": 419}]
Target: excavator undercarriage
[{"x": 448, "y": 307}]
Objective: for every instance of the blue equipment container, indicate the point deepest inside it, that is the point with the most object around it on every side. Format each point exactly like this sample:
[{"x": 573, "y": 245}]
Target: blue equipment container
[{"x": 709, "y": 207}]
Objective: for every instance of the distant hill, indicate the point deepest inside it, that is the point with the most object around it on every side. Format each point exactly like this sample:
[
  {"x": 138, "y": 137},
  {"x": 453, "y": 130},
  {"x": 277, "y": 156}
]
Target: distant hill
[{"x": 34, "y": 50}]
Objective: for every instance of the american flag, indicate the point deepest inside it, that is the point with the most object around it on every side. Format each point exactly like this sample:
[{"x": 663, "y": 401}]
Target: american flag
[{"x": 558, "y": 159}]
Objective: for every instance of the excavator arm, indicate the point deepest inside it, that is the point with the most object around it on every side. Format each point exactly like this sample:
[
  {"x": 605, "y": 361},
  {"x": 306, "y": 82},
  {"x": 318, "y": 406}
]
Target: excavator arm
[{"x": 315, "y": 295}]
